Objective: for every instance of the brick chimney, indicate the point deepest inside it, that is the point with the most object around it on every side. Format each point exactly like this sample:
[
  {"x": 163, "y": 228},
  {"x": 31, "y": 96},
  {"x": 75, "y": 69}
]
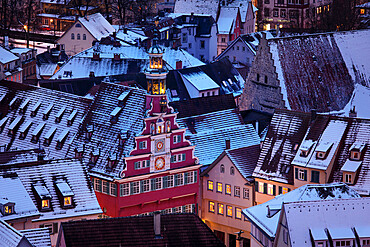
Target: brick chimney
[
  {"x": 96, "y": 56},
  {"x": 353, "y": 112},
  {"x": 227, "y": 142},
  {"x": 117, "y": 57},
  {"x": 178, "y": 64}
]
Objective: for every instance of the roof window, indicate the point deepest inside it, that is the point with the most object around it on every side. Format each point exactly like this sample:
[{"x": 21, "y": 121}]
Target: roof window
[
  {"x": 61, "y": 139},
  {"x": 66, "y": 194},
  {"x": 6, "y": 207},
  {"x": 47, "y": 111},
  {"x": 94, "y": 156},
  {"x": 122, "y": 138},
  {"x": 3, "y": 122},
  {"x": 114, "y": 115},
  {"x": 24, "y": 129},
  {"x": 49, "y": 135},
  {"x": 15, "y": 124},
  {"x": 59, "y": 115},
  {"x": 122, "y": 98},
  {"x": 22, "y": 108},
  {"x": 356, "y": 150},
  {"x": 89, "y": 132},
  {"x": 37, "y": 132},
  {"x": 306, "y": 147},
  {"x": 35, "y": 108},
  {"x": 71, "y": 117}
]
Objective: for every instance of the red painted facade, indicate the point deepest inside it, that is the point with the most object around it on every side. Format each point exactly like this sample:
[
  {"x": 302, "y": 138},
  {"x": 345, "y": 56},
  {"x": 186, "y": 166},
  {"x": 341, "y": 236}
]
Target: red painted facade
[{"x": 161, "y": 171}]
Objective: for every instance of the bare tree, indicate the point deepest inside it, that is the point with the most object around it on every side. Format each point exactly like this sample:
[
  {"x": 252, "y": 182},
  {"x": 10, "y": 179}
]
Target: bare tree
[
  {"x": 120, "y": 9},
  {"x": 82, "y": 6}
]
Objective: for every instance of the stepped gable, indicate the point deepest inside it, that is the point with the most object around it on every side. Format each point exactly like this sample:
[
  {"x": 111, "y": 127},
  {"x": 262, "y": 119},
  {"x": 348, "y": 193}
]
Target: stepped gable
[
  {"x": 33, "y": 117},
  {"x": 286, "y": 131},
  {"x": 117, "y": 112}
]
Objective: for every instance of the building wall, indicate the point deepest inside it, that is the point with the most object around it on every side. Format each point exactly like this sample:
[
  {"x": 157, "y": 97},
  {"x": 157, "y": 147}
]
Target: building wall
[
  {"x": 74, "y": 46},
  {"x": 224, "y": 223},
  {"x": 324, "y": 177},
  {"x": 264, "y": 196},
  {"x": 240, "y": 53},
  {"x": 250, "y": 21}
]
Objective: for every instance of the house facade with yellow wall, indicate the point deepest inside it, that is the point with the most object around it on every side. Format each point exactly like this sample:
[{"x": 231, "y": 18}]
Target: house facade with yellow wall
[{"x": 226, "y": 190}]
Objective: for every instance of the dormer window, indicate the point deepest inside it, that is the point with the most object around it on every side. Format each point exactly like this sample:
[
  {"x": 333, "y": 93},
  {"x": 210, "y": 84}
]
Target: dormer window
[
  {"x": 94, "y": 156},
  {"x": 23, "y": 106},
  {"x": 114, "y": 115},
  {"x": 65, "y": 193},
  {"x": 35, "y": 108},
  {"x": 356, "y": 150},
  {"x": 323, "y": 149},
  {"x": 71, "y": 117},
  {"x": 6, "y": 207},
  {"x": 306, "y": 147},
  {"x": 43, "y": 197},
  {"x": 89, "y": 132},
  {"x": 61, "y": 139},
  {"x": 47, "y": 111},
  {"x": 122, "y": 138},
  {"x": 112, "y": 160},
  {"x": 79, "y": 151}
]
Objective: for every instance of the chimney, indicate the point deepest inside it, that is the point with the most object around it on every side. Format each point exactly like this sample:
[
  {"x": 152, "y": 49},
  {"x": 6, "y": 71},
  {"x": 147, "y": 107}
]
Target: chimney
[
  {"x": 125, "y": 30},
  {"x": 178, "y": 64},
  {"x": 157, "y": 225},
  {"x": 92, "y": 74},
  {"x": 117, "y": 57},
  {"x": 227, "y": 142},
  {"x": 313, "y": 114},
  {"x": 6, "y": 42},
  {"x": 353, "y": 112},
  {"x": 114, "y": 35},
  {"x": 96, "y": 56}
]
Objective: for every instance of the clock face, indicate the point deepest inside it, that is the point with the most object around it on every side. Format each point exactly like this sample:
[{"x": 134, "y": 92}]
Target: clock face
[
  {"x": 159, "y": 145},
  {"x": 159, "y": 163}
]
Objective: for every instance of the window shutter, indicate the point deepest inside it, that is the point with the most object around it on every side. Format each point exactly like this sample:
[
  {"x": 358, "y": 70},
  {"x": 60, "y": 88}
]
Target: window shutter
[
  {"x": 183, "y": 157},
  {"x": 172, "y": 159},
  {"x": 141, "y": 186},
  {"x": 176, "y": 178},
  {"x": 55, "y": 228},
  {"x": 265, "y": 188},
  {"x": 147, "y": 163},
  {"x": 131, "y": 188},
  {"x": 183, "y": 209},
  {"x": 99, "y": 185},
  {"x": 140, "y": 145},
  {"x": 165, "y": 179},
  {"x": 136, "y": 165},
  {"x": 152, "y": 184},
  {"x": 305, "y": 175},
  {"x": 179, "y": 138},
  {"x": 186, "y": 178},
  {"x": 195, "y": 176},
  {"x": 296, "y": 173},
  {"x": 256, "y": 186},
  {"x": 280, "y": 190},
  {"x": 274, "y": 190}
]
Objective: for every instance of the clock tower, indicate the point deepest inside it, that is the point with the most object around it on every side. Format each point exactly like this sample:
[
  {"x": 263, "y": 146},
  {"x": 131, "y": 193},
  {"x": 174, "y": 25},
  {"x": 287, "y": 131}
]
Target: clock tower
[{"x": 161, "y": 171}]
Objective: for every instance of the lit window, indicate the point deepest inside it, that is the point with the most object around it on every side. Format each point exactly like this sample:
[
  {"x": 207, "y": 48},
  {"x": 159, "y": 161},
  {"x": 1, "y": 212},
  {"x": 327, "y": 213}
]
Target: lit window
[
  {"x": 220, "y": 208},
  {"x": 219, "y": 187},
  {"x": 285, "y": 190},
  {"x": 355, "y": 155},
  {"x": 8, "y": 209},
  {"x": 260, "y": 187},
  {"x": 348, "y": 178},
  {"x": 67, "y": 201},
  {"x": 210, "y": 185},
  {"x": 228, "y": 189},
  {"x": 238, "y": 213},
  {"x": 45, "y": 203},
  {"x": 229, "y": 211},
  {"x": 270, "y": 189},
  {"x": 211, "y": 207},
  {"x": 237, "y": 191},
  {"x": 362, "y": 11},
  {"x": 301, "y": 174}
]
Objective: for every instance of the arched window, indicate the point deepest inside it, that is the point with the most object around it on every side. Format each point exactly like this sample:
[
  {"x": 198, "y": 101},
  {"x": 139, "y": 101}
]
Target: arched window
[
  {"x": 78, "y": 25},
  {"x": 168, "y": 126},
  {"x": 232, "y": 170},
  {"x": 222, "y": 169},
  {"x": 72, "y": 36},
  {"x": 84, "y": 36},
  {"x": 152, "y": 128},
  {"x": 78, "y": 36}
]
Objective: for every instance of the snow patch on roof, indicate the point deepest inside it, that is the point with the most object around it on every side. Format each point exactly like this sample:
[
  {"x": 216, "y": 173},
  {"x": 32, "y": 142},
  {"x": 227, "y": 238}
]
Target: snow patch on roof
[
  {"x": 97, "y": 25},
  {"x": 6, "y": 56}
]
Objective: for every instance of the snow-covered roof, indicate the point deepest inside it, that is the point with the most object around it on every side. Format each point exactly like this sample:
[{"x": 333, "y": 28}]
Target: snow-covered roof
[
  {"x": 351, "y": 166},
  {"x": 20, "y": 50},
  {"x": 39, "y": 237},
  {"x": 320, "y": 61},
  {"x": 129, "y": 36},
  {"x": 10, "y": 237},
  {"x": 258, "y": 215},
  {"x": 97, "y": 25},
  {"x": 40, "y": 101},
  {"x": 210, "y": 144},
  {"x": 55, "y": 1},
  {"x": 6, "y": 56},
  {"x": 327, "y": 143},
  {"x": 245, "y": 159},
  {"x": 286, "y": 130},
  {"x": 130, "y": 118},
  {"x": 47, "y": 174},
  {"x": 133, "y": 60},
  {"x": 243, "y": 7},
  {"x": 47, "y": 69},
  {"x": 226, "y": 19},
  {"x": 322, "y": 216},
  {"x": 204, "y": 7},
  {"x": 200, "y": 80},
  {"x": 12, "y": 190}
]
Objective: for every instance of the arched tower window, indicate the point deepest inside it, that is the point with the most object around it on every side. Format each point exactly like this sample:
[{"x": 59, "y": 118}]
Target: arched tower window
[
  {"x": 222, "y": 169},
  {"x": 152, "y": 128},
  {"x": 168, "y": 126},
  {"x": 232, "y": 170}
]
